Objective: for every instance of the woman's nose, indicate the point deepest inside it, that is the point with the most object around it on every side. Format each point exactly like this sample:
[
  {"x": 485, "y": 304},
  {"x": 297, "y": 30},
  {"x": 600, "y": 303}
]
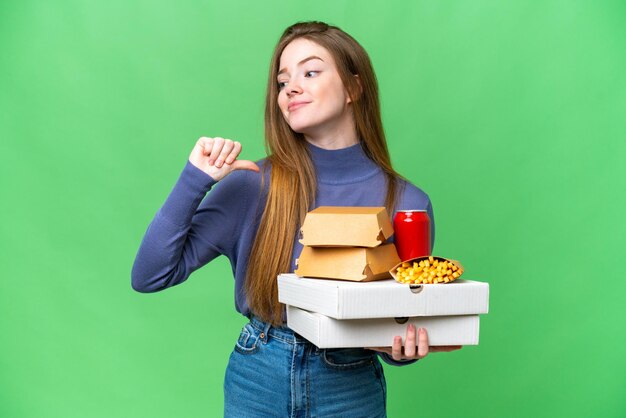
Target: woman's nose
[{"x": 293, "y": 88}]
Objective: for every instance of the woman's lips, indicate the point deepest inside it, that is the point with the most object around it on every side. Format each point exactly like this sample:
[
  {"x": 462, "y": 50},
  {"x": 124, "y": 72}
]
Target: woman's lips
[{"x": 296, "y": 105}]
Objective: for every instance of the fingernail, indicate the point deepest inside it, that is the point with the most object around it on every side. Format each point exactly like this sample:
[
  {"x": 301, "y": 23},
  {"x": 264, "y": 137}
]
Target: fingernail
[{"x": 412, "y": 327}]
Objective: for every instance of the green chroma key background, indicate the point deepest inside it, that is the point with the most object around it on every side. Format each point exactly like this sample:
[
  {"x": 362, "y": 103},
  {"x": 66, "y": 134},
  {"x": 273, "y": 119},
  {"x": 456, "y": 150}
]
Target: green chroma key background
[{"x": 509, "y": 114}]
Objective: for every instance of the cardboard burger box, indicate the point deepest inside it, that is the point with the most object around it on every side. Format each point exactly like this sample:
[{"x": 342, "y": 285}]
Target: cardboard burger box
[
  {"x": 347, "y": 263},
  {"x": 335, "y": 313},
  {"x": 346, "y": 226},
  {"x": 346, "y": 243}
]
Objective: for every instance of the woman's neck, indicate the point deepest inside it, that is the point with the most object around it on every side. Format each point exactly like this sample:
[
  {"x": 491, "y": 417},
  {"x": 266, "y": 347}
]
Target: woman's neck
[{"x": 336, "y": 136}]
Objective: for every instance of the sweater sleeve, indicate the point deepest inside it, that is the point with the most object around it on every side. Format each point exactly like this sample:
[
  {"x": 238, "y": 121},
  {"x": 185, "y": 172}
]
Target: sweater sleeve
[
  {"x": 190, "y": 229},
  {"x": 431, "y": 217}
]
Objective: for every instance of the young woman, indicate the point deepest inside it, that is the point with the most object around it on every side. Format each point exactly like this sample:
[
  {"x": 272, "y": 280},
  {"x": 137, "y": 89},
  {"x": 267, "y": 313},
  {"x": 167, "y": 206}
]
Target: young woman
[{"x": 326, "y": 147}]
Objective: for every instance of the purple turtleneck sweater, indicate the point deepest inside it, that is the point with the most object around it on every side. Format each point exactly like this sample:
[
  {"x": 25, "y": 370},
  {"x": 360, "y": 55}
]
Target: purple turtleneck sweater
[{"x": 193, "y": 227}]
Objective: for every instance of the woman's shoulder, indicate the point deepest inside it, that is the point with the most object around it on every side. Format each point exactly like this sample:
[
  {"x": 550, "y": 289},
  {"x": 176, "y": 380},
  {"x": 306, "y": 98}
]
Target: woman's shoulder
[{"x": 412, "y": 197}]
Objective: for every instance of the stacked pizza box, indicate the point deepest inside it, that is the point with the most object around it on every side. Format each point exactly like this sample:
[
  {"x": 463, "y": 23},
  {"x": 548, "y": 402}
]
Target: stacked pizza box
[{"x": 342, "y": 294}]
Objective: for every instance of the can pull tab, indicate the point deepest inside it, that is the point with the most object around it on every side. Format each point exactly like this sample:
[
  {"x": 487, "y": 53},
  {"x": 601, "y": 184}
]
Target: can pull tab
[
  {"x": 416, "y": 288},
  {"x": 402, "y": 319}
]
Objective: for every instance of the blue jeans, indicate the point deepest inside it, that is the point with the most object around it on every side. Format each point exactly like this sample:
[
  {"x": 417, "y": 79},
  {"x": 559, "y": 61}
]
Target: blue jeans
[{"x": 273, "y": 372}]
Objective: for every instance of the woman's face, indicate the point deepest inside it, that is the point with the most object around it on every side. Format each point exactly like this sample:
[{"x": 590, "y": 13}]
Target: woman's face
[{"x": 312, "y": 97}]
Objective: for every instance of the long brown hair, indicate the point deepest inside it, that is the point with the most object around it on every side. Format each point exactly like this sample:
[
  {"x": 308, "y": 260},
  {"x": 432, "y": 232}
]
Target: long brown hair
[{"x": 293, "y": 183}]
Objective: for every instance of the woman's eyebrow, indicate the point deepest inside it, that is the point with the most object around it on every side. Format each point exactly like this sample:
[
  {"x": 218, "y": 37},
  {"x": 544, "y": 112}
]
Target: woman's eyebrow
[{"x": 312, "y": 57}]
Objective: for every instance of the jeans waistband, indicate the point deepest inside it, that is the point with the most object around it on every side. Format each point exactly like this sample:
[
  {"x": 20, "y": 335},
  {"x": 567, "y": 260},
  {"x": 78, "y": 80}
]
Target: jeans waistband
[{"x": 280, "y": 332}]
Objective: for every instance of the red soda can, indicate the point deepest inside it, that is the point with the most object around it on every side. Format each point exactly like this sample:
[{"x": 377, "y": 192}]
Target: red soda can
[{"x": 412, "y": 233}]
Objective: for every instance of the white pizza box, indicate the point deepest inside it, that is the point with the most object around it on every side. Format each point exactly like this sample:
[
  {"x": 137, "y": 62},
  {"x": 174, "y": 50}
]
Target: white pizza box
[
  {"x": 326, "y": 332},
  {"x": 341, "y": 299}
]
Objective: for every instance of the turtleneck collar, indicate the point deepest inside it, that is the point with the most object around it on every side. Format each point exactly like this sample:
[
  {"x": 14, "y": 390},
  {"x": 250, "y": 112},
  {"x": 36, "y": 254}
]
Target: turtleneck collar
[{"x": 342, "y": 166}]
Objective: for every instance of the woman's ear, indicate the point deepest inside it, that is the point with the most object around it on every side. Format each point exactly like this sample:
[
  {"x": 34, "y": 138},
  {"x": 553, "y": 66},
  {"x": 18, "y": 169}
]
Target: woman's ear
[{"x": 356, "y": 90}]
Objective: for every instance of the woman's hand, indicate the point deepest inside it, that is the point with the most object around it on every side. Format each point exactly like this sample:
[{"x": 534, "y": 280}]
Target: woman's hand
[
  {"x": 218, "y": 157},
  {"x": 415, "y": 347}
]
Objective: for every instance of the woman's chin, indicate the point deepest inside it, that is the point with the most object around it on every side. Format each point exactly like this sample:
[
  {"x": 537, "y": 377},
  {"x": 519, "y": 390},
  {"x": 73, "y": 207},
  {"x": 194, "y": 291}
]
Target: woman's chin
[{"x": 299, "y": 129}]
